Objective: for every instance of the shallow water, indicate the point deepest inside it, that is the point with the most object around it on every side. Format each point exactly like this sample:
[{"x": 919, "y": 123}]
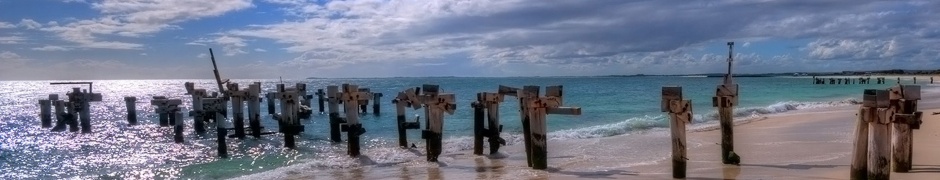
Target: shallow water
[{"x": 610, "y": 105}]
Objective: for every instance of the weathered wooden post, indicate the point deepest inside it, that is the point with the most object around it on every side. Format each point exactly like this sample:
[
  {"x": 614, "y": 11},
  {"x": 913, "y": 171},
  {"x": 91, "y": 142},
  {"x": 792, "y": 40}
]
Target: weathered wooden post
[
  {"x": 479, "y": 115},
  {"x": 487, "y": 106},
  {"x": 376, "y": 98},
  {"x": 351, "y": 98},
  {"x": 215, "y": 106},
  {"x": 161, "y": 110},
  {"x": 198, "y": 112},
  {"x": 289, "y": 116},
  {"x": 726, "y": 97},
  {"x": 879, "y": 142},
  {"x": 320, "y": 100},
  {"x": 303, "y": 107},
  {"x": 523, "y": 95},
  {"x": 538, "y": 108},
  {"x": 254, "y": 109},
  {"x": 931, "y": 80},
  {"x": 333, "y": 97},
  {"x": 131, "y": 103},
  {"x": 61, "y": 116},
  {"x": 238, "y": 115},
  {"x": 270, "y": 97},
  {"x": 407, "y": 98},
  {"x": 45, "y": 113},
  {"x": 435, "y": 105},
  {"x": 178, "y": 124},
  {"x": 81, "y": 100},
  {"x": 866, "y": 115},
  {"x": 680, "y": 114},
  {"x": 903, "y": 100}
]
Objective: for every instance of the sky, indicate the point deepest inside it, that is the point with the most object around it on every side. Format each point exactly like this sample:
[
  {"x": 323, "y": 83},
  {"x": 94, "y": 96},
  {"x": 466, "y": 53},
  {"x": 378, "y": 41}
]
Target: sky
[{"x": 170, "y": 39}]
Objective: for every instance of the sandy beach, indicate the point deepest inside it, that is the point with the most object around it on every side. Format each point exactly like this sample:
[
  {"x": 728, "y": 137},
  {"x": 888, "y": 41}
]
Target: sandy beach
[{"x": 803, "y": 144}]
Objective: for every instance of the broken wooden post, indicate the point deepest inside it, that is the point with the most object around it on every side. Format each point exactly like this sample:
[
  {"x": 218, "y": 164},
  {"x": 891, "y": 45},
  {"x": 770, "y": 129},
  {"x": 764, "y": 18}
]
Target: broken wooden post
[
  {"x": 61, "y": 116},
  {"x": 162, "y": 113},
  {"x": 270, "y": 98},
  {"x": 551, "y": 103},
  {"x": 289, "y": 117},
  {"x": 487, "y": 106},
  {"x": 333, "y": 97},
  {"x": 303, "y": 107},
  {"x": 435, "y": 105},
  {"x": 407, "y": 98},
  {"x": 680, "y": 114},
  {"x": 351, "y": 98},
  {"x": 866, "y": 115},
  {"x": 254, "y": 109},
  {"x": 131, "y": 104},
  {"x": 215, "y": 106},
  {"x": 523, "y": 95},
  {"x": 178, "y": 124},
  {"x": 238, "y": 115},
  {"x": 320, "y": 95},
  {"x": 376, "y": 97},
  {"x": 45, "y": 113},
  {"x": 81, "y": 100},
  {"x": 479, "y": 118},
  {"x": 491, "y": 103},
  {"x": 879, "y": 142},
  {"x": 726, "y": 97},
  {"x": 198, "y": 112},
  {"x": 903, "y": 100}
]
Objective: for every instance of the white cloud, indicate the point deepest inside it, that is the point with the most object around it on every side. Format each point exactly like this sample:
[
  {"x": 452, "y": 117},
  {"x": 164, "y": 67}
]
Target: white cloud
[
  {"x": 136, "y": 18},
  {"x": 337, "y": 33},
  {"x": 260, "y": 50},
  {"x": 231, "y": 45},
  {"x": 202, "y": 56},
  {"x": 51, "y": 48},
  {"x": 143, "y": 54},
  {"x": 5, "y": 25},
  {"x": 11, "y": 39},
  {"x": 30, "y": 24}
]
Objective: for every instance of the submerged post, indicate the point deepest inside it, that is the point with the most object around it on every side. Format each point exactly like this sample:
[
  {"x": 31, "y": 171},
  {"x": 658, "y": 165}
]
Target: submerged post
[
  {"x": 254, "y": 109},
  {"x": 726, "y": 97},
  {"x": 178, "y": 125},
  {"x": 131, "y": 103},
  {"x": 270, "y": 97},
  {"x": 238, "y": 116},
  {"x": 335, "y": 121},
  {"x": 407, "y": 98},
  {"x": 215, "y": 106},
  {"x": 198, "y": 112},
  {"x": 351, "y": 98},
  {"x": 376, "y": 98},
  {"x": 879, "y": 142},
  {"x": 435, "y": 105},
  {"x": 680, "y": 114},
  {"x": 45, "y": 113},
  {"x": 320, "y": 95}
]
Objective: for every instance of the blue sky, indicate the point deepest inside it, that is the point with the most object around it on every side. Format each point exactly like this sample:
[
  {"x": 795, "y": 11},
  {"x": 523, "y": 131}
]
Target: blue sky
[{"x": 160, "y": 39}]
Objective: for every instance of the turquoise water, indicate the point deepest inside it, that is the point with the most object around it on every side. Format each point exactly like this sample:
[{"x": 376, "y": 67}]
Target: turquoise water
[{"x": 610, "y": 106}]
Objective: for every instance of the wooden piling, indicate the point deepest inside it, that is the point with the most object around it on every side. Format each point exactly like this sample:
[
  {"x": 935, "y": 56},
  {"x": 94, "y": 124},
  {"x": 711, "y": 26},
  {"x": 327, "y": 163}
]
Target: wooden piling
[
  {"x": 400, "y": 118},
  {"x": 254, "y": 109},
  {"x": 680, "y": 114},
  {"x": 492, "y": 101},
  {"x": 725, "y": 99},
  {"x": 528, "y": 92},
  {"x": 60, "y": 115},
  {"x": 45, "y": 113},
  {"x": 198, "y": 112},
  {"x": 335, "y": 121},
  {"x": 320, "y": 95},
  {"x": 859, "y": 168},
  {"x": 178, "y": 127},
  {"x": 376, "y": 107},
  {"x": 879, "y": 145},
  {"x": 238, "y": 105},
  {"x": 131, "y": 104},
  {"x": 351, "y": 97},
  {"x": 270, "y": 97},
  {"x": 478, "y": 123},
  {"x": 539, "y": 138}
]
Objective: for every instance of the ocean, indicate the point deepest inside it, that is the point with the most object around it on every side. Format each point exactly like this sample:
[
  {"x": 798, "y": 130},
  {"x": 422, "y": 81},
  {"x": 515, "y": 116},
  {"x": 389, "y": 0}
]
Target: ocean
[{"x": 611, "y": 106}]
